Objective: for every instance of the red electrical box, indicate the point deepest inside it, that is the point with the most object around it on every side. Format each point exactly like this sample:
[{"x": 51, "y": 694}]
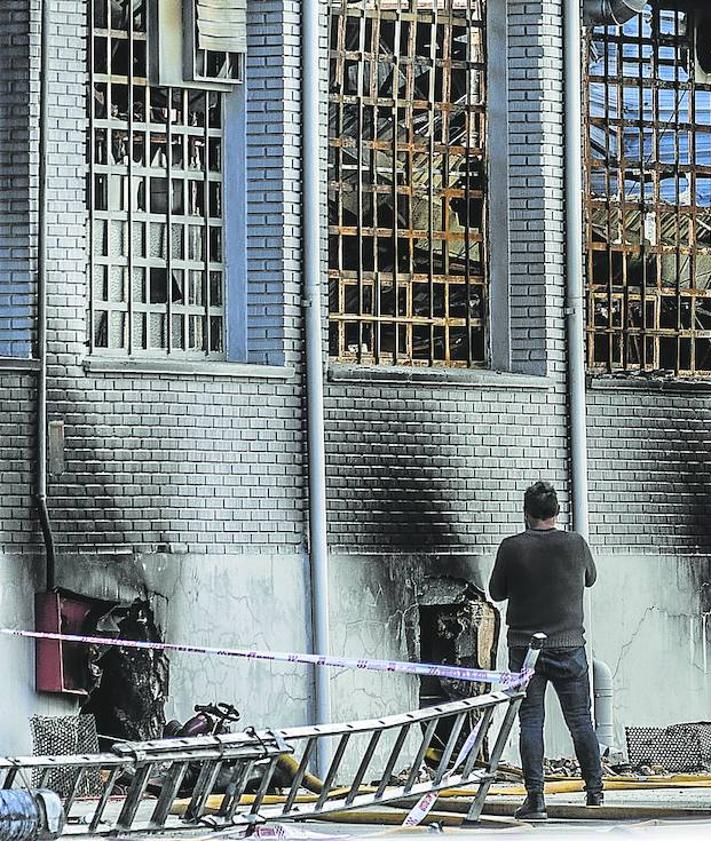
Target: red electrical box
[{"x": 61, "y": 666}]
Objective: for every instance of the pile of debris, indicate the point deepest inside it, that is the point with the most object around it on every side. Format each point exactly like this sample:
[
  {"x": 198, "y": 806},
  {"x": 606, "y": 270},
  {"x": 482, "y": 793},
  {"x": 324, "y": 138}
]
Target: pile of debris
[{"x": 567, "y": 767}]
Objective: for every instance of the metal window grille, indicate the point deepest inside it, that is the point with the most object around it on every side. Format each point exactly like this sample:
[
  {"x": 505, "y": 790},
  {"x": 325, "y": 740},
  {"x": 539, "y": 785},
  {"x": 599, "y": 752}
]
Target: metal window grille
[
  {"x": 648, "y": 196},
  {"x": 407, "y": 182},
  {"x": 156, "y": 200}
]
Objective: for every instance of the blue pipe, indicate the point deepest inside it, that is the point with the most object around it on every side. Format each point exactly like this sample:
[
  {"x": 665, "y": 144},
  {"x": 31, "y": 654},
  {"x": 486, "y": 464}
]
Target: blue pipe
[{"x": 30, "y": 815}]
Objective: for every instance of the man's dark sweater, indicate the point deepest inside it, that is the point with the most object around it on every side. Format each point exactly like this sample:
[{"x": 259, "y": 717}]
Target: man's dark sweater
[{"x": 543, "y": 573}]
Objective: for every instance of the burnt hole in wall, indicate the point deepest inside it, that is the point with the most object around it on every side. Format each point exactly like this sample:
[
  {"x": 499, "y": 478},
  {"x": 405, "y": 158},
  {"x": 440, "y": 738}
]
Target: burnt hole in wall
[
  {"x": 130, "y": 685},
  {"x": 457, "y": 627}
]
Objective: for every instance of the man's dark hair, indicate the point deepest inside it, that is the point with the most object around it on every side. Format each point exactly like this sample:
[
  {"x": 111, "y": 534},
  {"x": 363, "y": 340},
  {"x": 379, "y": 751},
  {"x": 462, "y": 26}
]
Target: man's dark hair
[{"x": 541, "y": 501}]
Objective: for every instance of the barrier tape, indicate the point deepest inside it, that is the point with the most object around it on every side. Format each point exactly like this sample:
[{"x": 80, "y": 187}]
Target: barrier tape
[
  {"x": 280, "y": 832},
  {"x": 509, "y": 680},
  {"x": 424, "y": 805}
]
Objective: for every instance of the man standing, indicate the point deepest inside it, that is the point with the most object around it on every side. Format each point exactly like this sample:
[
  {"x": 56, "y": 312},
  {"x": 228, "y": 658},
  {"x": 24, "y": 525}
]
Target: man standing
[{"x": 543, "y": 572}]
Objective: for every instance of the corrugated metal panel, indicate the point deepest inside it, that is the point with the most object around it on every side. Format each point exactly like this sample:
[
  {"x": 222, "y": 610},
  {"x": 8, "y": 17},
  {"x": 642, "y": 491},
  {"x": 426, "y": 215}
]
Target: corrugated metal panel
[{"x": 221, "y": 25}]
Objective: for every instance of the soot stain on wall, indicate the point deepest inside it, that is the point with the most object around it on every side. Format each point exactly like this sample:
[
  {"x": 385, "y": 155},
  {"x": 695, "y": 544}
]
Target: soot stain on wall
[{"x": 402, "y": 478}]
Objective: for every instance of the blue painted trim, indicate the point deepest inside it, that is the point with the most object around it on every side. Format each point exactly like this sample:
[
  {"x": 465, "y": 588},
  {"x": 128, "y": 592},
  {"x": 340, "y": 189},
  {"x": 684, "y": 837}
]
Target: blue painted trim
[{"x": 235, "y": 221}]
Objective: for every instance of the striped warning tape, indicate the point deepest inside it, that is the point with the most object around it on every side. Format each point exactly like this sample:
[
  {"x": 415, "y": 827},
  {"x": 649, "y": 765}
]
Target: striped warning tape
[
  {"x": 508, "y": 679},
  {"x": 424, "y": 805}
]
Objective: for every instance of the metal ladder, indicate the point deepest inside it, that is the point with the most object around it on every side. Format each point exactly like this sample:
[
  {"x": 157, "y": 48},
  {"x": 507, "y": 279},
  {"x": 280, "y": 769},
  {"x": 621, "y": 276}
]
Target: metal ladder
[{"x": 142, "y": 784}]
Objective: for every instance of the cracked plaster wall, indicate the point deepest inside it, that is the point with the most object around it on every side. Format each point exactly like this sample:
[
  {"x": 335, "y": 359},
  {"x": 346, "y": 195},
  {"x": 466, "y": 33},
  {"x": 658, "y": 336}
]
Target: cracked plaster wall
[
  {"x": 18, "y": 700},
  {"x": 646, "y": 621},
  {"x": 374, "y": 613},
  {"x": 258, "y": 600},
  {"x": 648, "y": 625}
]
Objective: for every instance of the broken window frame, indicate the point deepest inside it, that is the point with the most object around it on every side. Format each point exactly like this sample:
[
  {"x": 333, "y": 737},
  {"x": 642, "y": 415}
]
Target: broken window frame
[
  {"x": 648, "y": 240},
  {"x": 396, "y": 295},
  {"x": 130, "y": 313},
  {"x": 215, "y": 51}
]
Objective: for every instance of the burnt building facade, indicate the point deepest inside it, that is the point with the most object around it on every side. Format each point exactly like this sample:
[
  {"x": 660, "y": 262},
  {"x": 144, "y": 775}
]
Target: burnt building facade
[{"x": 176, "y": 450}]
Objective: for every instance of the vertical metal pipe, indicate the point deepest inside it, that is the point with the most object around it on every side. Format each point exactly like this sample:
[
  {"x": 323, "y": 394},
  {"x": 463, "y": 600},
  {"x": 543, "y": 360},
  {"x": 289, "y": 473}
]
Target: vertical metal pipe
[
  {"x": 311, "y": 223},
  {"x": 575, "y": 310},
  {"x": 43, "y": 213}
]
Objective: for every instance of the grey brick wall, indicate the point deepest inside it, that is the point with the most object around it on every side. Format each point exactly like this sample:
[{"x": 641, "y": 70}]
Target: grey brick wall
[
  {"x": 16, "y": 436},
  {"x": 273, "y": 181},
  {"x": 16, "y": 286},
  {"x": 650, "y": 487},
  {"x": 211, "y": 464},
  {"x": 215, "y": 463},
  {"x": 536, "y": 200},
  {"x": 416, "y": 467},
  {"x": 434, "y": 468}
]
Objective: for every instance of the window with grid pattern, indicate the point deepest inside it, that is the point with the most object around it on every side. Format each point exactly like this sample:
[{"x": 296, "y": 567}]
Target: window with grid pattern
[
  {"x": 648, "y": 204},
  {"x": 407, "y": 182},
  {"x": 156, "y": 200}
]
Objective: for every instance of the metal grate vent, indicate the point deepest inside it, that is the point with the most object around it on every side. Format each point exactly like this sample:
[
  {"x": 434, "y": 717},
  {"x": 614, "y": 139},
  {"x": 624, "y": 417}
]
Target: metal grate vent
[
  {"x": 681, "y": 747},
  {"x": 62, "y": 736}
]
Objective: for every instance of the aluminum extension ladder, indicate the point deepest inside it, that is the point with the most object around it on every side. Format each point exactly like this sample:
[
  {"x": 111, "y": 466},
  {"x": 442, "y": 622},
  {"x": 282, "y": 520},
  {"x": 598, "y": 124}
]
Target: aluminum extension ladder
[{"x": 130, "y": 800}]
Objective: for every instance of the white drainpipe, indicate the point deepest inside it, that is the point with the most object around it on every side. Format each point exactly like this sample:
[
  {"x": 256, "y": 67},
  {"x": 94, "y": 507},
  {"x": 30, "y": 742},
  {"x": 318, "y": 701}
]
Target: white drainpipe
[
  {"x": 603, "y": 700},
  {"x": 311, "y": 222},
  {"x": 575, "y": 311}
]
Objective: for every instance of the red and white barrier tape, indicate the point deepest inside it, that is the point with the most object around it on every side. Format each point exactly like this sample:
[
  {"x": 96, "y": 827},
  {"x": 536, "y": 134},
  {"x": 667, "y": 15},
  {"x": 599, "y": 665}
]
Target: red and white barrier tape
[{"x": 507, "y": 679}]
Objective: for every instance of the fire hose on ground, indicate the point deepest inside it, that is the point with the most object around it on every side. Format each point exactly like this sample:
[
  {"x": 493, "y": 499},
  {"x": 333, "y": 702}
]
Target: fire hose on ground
[{"x": 452, "y": 805}]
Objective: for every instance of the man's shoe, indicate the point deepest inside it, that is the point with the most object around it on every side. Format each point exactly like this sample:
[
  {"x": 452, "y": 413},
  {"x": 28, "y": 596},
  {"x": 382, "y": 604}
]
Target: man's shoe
[
  {"x": 594, "y": 798},
  {"x": 533, "y": 808}
]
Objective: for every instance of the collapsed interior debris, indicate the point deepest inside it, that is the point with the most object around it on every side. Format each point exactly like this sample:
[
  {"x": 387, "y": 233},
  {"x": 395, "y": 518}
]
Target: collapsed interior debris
[
  {"x": 457, "y": 625},
  {"x": 407, "y": 181},
  {"x": 648, "y": 207},
  {"x": 131, "y": 685}
]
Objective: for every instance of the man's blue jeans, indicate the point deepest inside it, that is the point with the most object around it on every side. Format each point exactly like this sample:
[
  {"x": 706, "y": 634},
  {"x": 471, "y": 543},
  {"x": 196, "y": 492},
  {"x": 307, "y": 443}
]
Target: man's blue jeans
[{"x": 567, "y": 670}]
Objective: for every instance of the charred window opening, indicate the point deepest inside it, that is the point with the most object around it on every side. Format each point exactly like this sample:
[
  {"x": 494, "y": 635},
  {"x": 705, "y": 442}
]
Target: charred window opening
[
  {"x": 457, "y": 626},
  {"x": 129, "y": 685},
  {"x": 648, "y": 208},
  {"x": 155, "y": 199},
  {"x": 407, "y": 182},
  {"x": 220, "y": 39}
]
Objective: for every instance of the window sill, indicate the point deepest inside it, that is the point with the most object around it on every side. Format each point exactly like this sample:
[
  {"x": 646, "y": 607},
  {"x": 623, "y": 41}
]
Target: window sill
[
  {"x": 163, "y": 367},
  {"x": 468, "y": 377},
  {"x": 670, "y": 385},
  {"x": 10, "y": 363}
]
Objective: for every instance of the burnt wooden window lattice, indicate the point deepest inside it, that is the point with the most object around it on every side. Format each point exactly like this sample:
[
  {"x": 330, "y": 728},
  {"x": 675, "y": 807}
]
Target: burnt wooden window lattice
[
  {"x": 155, "y": 199},
  {"x": 648, "y": 194},
  {"x": 407, "y": 182}
]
